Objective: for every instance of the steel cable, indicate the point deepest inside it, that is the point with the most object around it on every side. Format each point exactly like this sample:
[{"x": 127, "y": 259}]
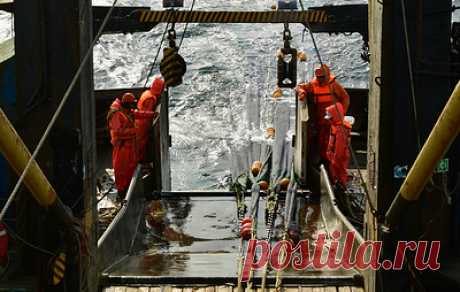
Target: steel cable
[
  {"x": 353, "y": 155},
  {"x": 31, "y": 245},
  {"x": 411, "y": 75},
  {"x": 156, "y": 56},
  {"x": 185, "y": 28},
  {"x": 161, "y": 43}
]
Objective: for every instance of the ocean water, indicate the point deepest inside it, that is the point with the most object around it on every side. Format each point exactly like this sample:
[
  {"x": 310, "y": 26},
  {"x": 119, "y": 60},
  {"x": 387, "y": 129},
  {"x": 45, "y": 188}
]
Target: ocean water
[
  {"x": 224, "y": 105},
  {"x": 219, "y": 114}
]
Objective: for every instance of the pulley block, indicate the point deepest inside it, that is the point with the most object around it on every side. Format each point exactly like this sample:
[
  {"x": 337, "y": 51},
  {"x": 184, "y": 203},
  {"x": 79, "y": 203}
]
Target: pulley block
[
  {"x": 287, "y": 68},
  {"x": 287, "y": 62}
]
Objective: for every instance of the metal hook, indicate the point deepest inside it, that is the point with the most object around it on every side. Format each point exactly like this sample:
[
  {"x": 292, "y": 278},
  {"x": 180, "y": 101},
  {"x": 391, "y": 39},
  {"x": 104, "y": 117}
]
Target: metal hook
[
  {"x": 172, "y": 36},
  {"x": 304, "y": 31},
  {"x": 286, "y": 35}
]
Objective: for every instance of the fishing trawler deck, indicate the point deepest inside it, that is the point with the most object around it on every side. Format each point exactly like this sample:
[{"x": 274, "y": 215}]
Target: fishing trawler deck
[{"x": 197, "y": 243}]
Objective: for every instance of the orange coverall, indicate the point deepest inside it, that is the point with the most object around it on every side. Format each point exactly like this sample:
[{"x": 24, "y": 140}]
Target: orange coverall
[
  {"x": 339, "y": 140},
  {"x": 318, "y": 93},
  {"x": 147, "y": 102},
  {"x": 123, "y": 138}
]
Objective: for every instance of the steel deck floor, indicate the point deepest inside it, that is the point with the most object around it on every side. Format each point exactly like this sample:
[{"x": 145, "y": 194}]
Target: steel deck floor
[
  {"x": 231, "y": 289},
  {"x": 197, "y": 243}
]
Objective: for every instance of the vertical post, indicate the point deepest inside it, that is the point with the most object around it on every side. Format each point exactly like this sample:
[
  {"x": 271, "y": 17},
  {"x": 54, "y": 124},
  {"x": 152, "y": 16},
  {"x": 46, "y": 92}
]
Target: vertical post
[
  {"x": 301, "y": 143},
  {"x": 49, "y": 50},
  {"x": 165, "y": 143},
  {"x": 376, "y": 124},
  {"x": 155, "y": 138},
  {"x": 390, "y": 108},
  {"x": 88, "y": 143}
]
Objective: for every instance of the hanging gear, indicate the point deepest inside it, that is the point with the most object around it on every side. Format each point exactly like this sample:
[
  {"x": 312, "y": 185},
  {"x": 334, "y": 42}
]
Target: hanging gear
[
  {"x": 291, "y": 214},
  {"x": 173, "y": 66},
  {"x": 239, "y": 187},
  {"x": 270, "y": 208},
  {"x": 287, "y": 62}
]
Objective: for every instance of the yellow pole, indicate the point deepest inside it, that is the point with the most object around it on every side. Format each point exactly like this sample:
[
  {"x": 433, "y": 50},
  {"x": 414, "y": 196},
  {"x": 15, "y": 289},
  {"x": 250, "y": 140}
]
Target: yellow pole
[
  {"x": 441, "y": 137},
  {"x": 16, "y": 153}
]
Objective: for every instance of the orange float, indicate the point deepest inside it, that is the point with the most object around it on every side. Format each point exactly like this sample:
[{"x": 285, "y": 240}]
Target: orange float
[
  {"x": 263, "y": 185},
  {"x": 270, "y": 132},
  {"x": 284, "y": 183},
  {"x": 256, "y": 167}
]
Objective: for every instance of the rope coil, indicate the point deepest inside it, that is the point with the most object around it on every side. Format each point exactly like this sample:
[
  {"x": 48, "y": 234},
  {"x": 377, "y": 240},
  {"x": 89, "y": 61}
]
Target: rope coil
[{"x": 172, "y": 67}]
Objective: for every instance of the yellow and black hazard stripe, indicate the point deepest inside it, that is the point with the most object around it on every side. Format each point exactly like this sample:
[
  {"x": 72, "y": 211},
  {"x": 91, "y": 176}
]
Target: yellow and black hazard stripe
[
  {"x": 58, "y": 269},
  {"x": 316, "y": 16}
]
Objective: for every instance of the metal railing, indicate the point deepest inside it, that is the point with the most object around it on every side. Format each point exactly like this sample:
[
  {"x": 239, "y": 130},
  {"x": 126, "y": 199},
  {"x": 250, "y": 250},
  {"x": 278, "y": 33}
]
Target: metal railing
[{"x": 118, "y": 238}]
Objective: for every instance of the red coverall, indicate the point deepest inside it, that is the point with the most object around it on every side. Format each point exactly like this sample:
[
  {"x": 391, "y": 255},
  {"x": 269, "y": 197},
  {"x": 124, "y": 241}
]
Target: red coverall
[
  {"x": 319, "y": 94},
  {"x": 3, "y": 245},
  {"x": 337, "y": 152},
  {"x": 123, "y": 138},
  {"x": 147, "y": 102}
]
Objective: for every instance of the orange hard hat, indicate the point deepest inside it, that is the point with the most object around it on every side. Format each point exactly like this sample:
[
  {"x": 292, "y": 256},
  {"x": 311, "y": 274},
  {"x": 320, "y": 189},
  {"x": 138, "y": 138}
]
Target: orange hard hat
[
  {"x": 128, "y": 98},
  {"x": 158, "y": 85},
  {"x": 322, "y": 70}
]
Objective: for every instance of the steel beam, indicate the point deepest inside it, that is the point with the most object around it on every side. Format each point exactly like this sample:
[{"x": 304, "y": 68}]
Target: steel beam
[
  {"x": 165, "y": 143},
  {"x": 7, "y": 5},
  {"x": 308, "y": 16},
  {"x": 120, "y": 20},
  {"x": 327, "y": 19}
]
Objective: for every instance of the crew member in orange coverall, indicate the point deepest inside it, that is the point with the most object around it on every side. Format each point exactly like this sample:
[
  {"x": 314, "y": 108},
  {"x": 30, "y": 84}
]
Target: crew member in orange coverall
[
  {"x": 123, "y": 133},
  {"x": 147, "y": 102},
  {"x": 339, "y": 140},
  {"x": 320, "y": 93}
]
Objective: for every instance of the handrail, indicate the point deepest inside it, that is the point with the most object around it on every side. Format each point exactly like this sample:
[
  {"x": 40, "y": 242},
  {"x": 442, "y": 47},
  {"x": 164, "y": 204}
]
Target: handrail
[
  {"x": 122, "y": 211},
  {"x": 157, "y": 118},
  {"x": 118, "y": 240},
  {"x": 330, "y": 200},
  {"x": 333, "y": 201}
]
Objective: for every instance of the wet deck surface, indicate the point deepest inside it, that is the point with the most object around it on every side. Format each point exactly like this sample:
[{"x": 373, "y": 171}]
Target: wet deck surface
[
  {"x": 229, "y": 289},
  {"x": 197, "y": 239}
]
